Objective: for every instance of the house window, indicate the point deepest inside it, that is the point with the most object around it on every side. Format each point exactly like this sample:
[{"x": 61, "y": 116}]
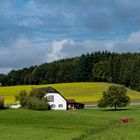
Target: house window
[
  {"x": 50, "y": 98},
  {"x": 60, "y": 106},
  {"x": 53, "y": 106}
]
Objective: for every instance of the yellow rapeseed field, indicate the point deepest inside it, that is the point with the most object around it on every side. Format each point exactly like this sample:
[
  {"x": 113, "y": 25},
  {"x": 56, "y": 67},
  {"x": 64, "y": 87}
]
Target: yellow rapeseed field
[{"x": 82, "y": 92}]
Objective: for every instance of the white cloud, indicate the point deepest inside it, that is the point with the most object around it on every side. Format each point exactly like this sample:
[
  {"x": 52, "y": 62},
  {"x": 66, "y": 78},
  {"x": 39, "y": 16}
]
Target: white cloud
[
  {"x": 70, "y": 48},
  {"x": 134, "y": 38},
  {"x": 25, "y": 52},
  {"x": 20, "y": 54},
  {"x": 130, "y": 44},
  {"x": 56, "y": 52}
]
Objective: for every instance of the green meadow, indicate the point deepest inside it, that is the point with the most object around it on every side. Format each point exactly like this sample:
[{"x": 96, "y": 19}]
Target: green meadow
[
  {"x": 88, "y": 124},
  {"x": 82, "y": 92}
]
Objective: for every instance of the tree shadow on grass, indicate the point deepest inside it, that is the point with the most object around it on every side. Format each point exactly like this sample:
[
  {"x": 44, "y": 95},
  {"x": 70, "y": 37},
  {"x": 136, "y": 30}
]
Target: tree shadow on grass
[
  {"x": 119, "y": 109},
  {"x": 4, "y": 108}
]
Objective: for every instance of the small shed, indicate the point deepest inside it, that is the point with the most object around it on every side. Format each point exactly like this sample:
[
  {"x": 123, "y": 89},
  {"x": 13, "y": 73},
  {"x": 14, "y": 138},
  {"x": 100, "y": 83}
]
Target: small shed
[{"x": 72, "y": 104}]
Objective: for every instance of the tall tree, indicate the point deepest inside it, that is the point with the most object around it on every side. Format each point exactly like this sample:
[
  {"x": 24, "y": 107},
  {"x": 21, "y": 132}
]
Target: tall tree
[
  {"x": 135, "y": 76},
  {"x": 115, "y": 97},
  {"x": 102, "y": 72}
]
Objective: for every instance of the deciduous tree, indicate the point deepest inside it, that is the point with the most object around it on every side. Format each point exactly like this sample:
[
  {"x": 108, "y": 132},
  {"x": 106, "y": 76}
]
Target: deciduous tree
[{"x": 115, "y": 96}]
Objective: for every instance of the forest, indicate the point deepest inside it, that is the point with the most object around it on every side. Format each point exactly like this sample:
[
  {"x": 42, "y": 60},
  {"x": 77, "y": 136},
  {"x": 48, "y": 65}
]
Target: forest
[{"x": 104, "y": 66}]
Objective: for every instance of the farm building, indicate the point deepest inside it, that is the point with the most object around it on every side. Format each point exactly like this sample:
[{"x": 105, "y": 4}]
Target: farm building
[
  {"x": 14, "y": 106},
  {"x": 59, "y": 102},
  {"x": 1, "y": 102}
]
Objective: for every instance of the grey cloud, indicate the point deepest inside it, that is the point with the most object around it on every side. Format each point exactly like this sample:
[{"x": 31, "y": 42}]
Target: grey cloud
[
  {"x": 70, "y": 48},
  {"x": 125, "y": 47},
  {"x": 22, "y": 53},
  {"x": 106, "y": 18},
  {"x": 130, "y": 44},
  {"x": 87, "y": 25}
]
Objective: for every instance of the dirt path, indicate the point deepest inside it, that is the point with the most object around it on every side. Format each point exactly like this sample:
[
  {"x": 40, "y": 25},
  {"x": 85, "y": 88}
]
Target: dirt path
[{"x": 93, "y": 103}]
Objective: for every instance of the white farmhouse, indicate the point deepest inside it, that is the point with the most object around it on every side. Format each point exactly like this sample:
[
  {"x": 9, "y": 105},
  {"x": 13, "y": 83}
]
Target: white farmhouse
[
  {"x": 56, "y": 101},
  {"x": 59, "y": 102}
]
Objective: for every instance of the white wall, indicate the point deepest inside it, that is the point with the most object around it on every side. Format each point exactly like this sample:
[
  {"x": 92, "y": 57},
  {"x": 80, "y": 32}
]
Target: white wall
[
  {"x": 58, "y": 99},
  {"x": 15, "y": 106}
]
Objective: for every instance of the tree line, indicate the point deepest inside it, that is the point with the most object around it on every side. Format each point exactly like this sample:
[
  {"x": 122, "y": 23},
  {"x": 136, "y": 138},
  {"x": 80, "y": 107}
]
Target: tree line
[{"x": 95, "y": 67}]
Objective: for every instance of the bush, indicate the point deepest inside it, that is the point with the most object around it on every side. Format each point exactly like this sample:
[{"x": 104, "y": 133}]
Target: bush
[
  {"x": 37, "y": 93},
  {"x": 37, "y": 104},
  {"x": 35, "y": 100},
  {"x": 22, "y": 98}
]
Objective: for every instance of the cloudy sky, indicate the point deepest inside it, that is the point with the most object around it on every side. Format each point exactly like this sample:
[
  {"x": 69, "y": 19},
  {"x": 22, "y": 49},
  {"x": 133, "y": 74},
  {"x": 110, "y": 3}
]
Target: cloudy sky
[{"x": 37, "y": 31}]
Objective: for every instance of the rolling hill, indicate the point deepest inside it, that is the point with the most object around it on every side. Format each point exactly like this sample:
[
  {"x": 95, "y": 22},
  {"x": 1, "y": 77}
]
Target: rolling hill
[{"x": 82, "y": 92}]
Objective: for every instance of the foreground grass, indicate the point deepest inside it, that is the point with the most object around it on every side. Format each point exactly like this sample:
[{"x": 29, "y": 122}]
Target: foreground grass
[
  {"x": 82, "y": 92},
  {"x": 68, "y": 125}
]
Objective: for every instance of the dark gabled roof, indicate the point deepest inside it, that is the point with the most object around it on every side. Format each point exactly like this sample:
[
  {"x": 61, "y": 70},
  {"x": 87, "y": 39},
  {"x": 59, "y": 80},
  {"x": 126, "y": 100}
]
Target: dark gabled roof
[
  {"x": 48, "y": 90},
  {"x": 70, "y": 101},
  {"x": 52, "y": 90}
]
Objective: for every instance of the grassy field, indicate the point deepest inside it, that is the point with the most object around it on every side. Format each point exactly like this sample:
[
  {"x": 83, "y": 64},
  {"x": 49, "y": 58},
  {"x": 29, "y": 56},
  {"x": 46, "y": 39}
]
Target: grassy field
[
  {"x": 82, "y": 92},
  {"x": 86, "y": 124}
]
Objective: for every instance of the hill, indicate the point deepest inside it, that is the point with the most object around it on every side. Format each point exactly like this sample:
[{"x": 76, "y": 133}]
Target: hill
[
  {"x": 109, "y": 67},
  {"x": 82, "y": 92}
]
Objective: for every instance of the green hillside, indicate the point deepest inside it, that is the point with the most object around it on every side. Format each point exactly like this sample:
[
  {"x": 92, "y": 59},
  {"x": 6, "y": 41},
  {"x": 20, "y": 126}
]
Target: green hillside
[
  {"x": 86, "y": 124},
  {"x": 82, "y": 92}
]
